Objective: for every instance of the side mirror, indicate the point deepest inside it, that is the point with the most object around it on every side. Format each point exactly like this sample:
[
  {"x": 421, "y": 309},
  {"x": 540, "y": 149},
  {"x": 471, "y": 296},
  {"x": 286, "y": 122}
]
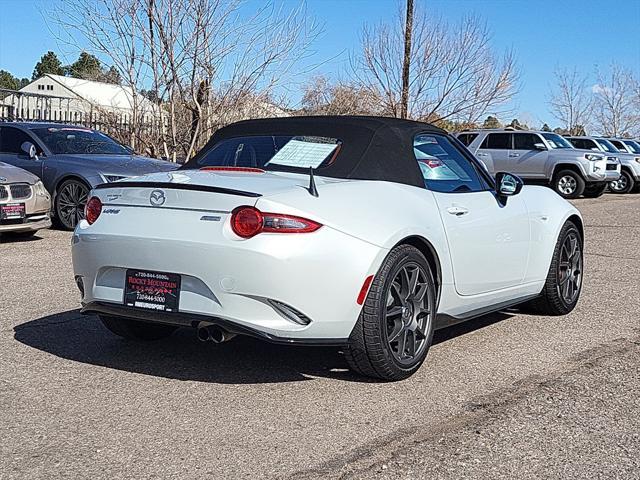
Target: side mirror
[
  {"x": 508, "y": 184},
  {"x": 540, "y": 146},
  {"x": 30, "y": 149}
]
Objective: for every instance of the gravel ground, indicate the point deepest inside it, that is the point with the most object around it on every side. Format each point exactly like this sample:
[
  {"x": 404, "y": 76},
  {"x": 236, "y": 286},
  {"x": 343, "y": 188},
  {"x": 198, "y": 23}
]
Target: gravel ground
[{"x": 508, "y": 394}]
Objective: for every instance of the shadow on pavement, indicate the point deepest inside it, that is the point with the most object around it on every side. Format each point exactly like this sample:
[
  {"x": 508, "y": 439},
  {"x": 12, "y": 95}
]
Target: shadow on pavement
[
  {"x": 243, "y": 360},
  {"x": 8, "y": 238}
]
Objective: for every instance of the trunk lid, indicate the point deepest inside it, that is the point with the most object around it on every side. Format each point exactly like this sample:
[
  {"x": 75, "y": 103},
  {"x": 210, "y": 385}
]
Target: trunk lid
[{"x": 219, "y": 191}]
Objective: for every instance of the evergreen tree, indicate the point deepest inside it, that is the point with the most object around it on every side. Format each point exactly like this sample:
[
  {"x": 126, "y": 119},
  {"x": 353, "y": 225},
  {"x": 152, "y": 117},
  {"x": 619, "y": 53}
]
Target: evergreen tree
[
  {"x": 8, "y": 81},
  {"x": 491, "y": 122},
  {"x": 87, "y": 67},
  {"x": 49, "y": 63},
  {"x": 112, "y": 75},
  {"x": 546, "y": 128}
]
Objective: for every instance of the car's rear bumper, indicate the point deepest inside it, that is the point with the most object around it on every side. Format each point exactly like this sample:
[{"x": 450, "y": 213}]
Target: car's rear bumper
[
  {"x": 192, "y": 320},
  {"x": 240, "y": 284}
]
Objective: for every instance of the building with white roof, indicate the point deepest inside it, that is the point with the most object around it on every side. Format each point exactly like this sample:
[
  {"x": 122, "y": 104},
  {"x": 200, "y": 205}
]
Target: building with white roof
[{"x": 67, "y": 99}]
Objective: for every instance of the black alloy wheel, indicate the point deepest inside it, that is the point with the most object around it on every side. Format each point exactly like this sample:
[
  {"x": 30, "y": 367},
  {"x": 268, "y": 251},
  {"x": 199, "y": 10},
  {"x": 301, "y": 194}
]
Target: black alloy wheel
[
  {"x": 394, "y": 331},
  {"x": 563, "y": 285},
  {"x": 70, "y": 201},
  {"x": 569, "y": 272},
  {"x": 408, "y": 314}
]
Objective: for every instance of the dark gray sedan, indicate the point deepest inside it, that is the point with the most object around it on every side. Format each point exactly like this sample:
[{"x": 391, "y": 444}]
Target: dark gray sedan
[{"x": 71, "y": 160}]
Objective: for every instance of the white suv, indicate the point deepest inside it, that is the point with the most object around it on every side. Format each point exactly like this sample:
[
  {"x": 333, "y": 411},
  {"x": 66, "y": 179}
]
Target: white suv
[{"x": 543, "y": 157}]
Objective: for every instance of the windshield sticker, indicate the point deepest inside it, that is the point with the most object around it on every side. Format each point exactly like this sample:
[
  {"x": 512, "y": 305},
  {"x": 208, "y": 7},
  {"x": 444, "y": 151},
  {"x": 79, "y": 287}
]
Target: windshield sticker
[{"x": 301, "y": 154}]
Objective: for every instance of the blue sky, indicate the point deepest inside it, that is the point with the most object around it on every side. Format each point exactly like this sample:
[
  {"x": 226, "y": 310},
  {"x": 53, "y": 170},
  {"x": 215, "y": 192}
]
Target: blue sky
[{"x": 544, "y": 34}]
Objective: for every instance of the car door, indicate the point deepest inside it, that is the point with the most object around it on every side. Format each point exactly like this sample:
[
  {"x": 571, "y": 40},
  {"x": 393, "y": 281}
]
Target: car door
[
  {"x": 528, "y": 156},
  {"x": 11, "y": 140},
  {"x": 488, "y": 239},
  {"x": 496, "y": 147}
]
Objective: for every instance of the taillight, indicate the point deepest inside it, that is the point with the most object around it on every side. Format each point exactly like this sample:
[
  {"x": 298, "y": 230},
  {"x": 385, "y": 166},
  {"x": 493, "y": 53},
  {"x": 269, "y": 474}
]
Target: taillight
[
  {"x": 247, "y": 222},
  {"x": 92, "y": 210}
]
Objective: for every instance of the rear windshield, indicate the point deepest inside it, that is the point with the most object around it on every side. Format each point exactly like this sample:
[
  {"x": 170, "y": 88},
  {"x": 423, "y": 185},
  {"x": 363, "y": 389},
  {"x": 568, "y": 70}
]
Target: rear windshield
[
  {"x": 70, "y": 140},
  {"x": 273, "y": 152}
]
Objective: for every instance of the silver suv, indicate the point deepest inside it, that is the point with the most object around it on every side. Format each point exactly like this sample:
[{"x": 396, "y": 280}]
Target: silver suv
[
  {"x": 543, "y": 157},
  {"x": 627, "y": 151}
]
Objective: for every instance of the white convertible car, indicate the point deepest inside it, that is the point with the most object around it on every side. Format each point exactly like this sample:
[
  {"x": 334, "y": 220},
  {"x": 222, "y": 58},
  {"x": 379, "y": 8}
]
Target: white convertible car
[{"x": 363, "y": 232}]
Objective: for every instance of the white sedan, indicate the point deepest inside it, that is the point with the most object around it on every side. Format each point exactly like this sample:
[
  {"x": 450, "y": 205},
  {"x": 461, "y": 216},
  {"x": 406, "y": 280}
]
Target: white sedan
[{"x": 363, "y": 232}]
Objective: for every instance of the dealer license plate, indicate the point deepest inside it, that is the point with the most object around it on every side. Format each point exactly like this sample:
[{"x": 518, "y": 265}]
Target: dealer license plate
[{"x": 152, "y": 290}]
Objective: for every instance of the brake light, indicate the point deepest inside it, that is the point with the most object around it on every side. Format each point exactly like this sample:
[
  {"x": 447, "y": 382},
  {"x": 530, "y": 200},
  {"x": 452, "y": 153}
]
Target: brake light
[
  {"x": 232, "y": 169},
  {"x": 247, "y": 222},
  {"x": 92, "y": 210}
]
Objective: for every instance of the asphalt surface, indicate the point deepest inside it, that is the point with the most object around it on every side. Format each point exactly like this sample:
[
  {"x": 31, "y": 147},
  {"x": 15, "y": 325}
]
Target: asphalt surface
[{"x": 508, "y": 395}]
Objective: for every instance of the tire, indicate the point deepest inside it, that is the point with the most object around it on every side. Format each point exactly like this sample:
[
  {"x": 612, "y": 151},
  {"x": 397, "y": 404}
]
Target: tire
[
  {"x": 135, "y": 329},
  {"x": 552, "y": 300},
  {"x": 625, "y": 184},
  {"x": 394, "y": 331},
  {"x": 21, "y": 235},
  {"x": 568, "y": 184},
  {"x": 71, "y": 197},
  {"x": 595, "y": 190}
]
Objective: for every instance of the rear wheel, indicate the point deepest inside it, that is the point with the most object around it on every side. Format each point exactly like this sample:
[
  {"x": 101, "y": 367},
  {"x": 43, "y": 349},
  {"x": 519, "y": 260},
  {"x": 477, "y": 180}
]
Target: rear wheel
[
  {"x": 595, "y": 190},
  {"x": 395, "y": 328},
  {"x": 71, "y": 197},
  {"x": 624, "y": 184},
  {"x": 564, "y": 280},
  {"x": 135, "y": 329},
  {"x": 568, "y": 184}
]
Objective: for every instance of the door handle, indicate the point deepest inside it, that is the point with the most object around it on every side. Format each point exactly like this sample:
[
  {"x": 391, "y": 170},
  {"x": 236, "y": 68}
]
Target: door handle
[
  {"x": 457, "y": 211},
  {"x": 481, "y": 154},
  {"x": 512, "y": 155}
]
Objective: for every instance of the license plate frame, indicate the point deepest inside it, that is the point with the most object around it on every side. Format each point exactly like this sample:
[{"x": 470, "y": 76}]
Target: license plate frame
[
  {"x": 152, "y": 290},
  {"x": 13, "y": 211}
]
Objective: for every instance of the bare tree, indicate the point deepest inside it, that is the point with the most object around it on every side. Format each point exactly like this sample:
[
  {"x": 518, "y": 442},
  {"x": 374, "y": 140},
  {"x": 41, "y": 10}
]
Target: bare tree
[
  {"x": 571, "y": 100},
  {"x": 616, "y": 109},
  {"x": 204, "y": 62},
  {"x": 455, "y": 74},
  {"x": 321, "y": 97}
]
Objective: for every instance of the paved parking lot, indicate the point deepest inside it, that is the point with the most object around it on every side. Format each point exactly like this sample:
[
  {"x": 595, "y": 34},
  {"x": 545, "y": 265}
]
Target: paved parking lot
[{"x": 507, "y": 395}]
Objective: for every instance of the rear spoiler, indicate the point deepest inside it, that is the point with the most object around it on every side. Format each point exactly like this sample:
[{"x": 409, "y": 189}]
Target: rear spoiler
[{"x": 178, "y": 186}]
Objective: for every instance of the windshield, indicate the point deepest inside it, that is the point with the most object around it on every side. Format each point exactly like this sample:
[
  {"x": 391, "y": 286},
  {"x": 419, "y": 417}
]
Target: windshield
[
  {"x": 70, "y": 140},
  {"x": 556, "y": 141},
  {"x": 632, "y": 145},
  {"x": 273, "y": 152},
  {"x": 606, "y": 145}
]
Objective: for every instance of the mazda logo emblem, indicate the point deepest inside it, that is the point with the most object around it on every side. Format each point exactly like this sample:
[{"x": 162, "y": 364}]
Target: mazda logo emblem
[
  {"x": 3, "y": 179},
  {"x": 157, "y": 198}
]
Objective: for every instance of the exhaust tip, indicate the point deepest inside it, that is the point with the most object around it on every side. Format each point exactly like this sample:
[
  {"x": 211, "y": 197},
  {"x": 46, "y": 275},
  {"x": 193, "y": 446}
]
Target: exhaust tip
[
  {"x": 211, "y": 332},
  {"x": 216, "y": 334},
  {"x": 203, "y": 334}
]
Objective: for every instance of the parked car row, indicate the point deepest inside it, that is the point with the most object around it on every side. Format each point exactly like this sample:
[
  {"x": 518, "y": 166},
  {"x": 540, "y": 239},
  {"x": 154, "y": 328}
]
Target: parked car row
[
  {"x": 57, "y": 167},
  {"x": 572, "y": 166},
  {"x": 47, "y": 169}
]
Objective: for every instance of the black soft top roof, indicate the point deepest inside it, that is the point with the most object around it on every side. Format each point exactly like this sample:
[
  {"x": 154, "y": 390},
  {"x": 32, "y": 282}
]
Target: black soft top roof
[{"x": 373, "y": 148}]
